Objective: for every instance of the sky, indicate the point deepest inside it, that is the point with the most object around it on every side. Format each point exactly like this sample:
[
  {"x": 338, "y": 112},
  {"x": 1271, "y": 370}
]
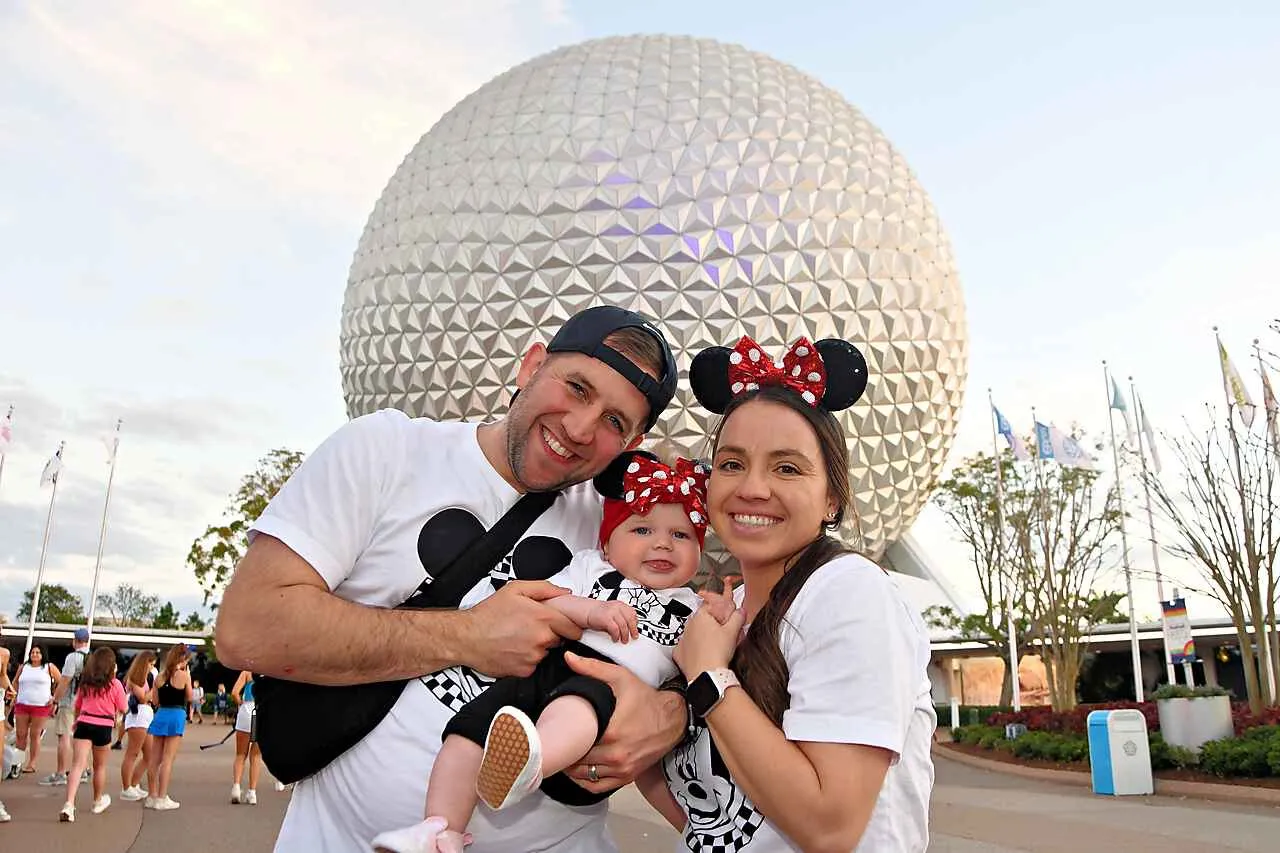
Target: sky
[{"x": 182, "y": 186}]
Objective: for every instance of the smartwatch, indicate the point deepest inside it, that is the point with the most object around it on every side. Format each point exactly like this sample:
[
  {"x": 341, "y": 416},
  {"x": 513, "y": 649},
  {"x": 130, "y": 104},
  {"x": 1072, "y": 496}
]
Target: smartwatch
[{"x": 707, "y": 690}]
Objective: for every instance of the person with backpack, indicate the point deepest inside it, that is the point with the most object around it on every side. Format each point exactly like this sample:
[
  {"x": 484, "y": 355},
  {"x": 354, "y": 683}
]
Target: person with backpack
[
  {"x": 64, "y": 697},
  {"x": 326, "y": 604}
]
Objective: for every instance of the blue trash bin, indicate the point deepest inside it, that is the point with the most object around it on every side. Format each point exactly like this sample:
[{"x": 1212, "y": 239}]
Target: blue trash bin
[{"x": 1119, "y": 753}]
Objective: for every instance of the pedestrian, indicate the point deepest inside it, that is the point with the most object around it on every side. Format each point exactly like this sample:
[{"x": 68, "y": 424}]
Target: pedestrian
[
  {"x": 34, "y": 706},
  {"x": 630, "y": 597},
  {"x": 197, "y": 703},
  {"x": 367, "y": 523},
  {"x": 100, "y": 703},
  {"x": 170, "y": 695},
  {"x": 221, "y": 704},
  {"x": 136, "y": 760},
  {"x": 246, "y": 748},
  {"x": 6, "y": 697},
  {"x": 812, "y": 697},
  {"x": 64, "y": 698}
]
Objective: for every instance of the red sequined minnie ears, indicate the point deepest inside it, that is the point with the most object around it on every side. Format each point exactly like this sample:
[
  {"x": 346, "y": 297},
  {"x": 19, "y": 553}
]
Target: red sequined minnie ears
[{"x": 831, "y": 374}]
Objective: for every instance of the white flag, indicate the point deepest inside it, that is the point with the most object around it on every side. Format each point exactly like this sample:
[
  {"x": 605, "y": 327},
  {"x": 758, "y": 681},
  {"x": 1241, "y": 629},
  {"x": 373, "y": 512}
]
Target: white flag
[
  {"x": 1145, "y": 425},
  {"x": 53, "y": 467},
  {"x": 1237, "y": 393},
  {"x": 1067, "y": 451},
  {"x": 6, "y": 432}
]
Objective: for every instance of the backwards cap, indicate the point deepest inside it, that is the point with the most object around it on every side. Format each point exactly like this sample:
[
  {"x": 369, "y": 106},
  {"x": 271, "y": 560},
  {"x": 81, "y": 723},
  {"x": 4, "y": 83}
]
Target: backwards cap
[{"x": 585, "y": 332}]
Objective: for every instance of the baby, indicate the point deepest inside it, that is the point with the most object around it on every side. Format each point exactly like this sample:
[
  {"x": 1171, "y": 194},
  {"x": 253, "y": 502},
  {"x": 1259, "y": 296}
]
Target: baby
[{"x": 631, "y": 600}]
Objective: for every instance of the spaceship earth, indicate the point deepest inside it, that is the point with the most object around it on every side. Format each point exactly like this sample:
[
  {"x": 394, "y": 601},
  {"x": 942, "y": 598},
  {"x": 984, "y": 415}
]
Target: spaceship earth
[{"x": 714, "y": 189}]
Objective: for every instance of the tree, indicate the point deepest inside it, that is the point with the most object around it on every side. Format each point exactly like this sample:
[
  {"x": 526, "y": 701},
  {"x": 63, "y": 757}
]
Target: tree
[
  {"x": 57, "y": 604},
  {"x": 194, "y": 622},
  {"x": 1048, "y": 561},
  {"x": 213, "y": 556},
  {"x": 968, "y": 499},
  {"x": 166, "y": 617},
  {"x": 1223, "y": 517},
  {"x": 129, "y": 606}
]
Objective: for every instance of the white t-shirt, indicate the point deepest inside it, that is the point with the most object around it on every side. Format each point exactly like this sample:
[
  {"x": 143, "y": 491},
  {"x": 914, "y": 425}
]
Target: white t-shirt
[
  {"x": 856, "y": 652},
  {"x": 72, "y": 667},
  {"x": 660, "y": 615},
  {"x": 378, "y": 503}
]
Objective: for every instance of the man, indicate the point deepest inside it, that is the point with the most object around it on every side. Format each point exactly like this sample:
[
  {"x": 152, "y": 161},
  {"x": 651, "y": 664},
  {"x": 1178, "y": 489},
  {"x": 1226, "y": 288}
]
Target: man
[
  {"x": 64, "y": 720},
  {"x": 359, "y": 528}
]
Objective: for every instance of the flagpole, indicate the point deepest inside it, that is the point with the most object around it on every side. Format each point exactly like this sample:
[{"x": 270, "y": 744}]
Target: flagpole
[
  {"x": 1008, "y": 582},
  {"x": 102, "y": 532},
  {"x": 1151, "y": 530},
  {"x": 1268, "y": 414},
  {"x": 44, "y": 548},
  {"x": 1050, "y": 590},
  {"x": 1134, "y": 650},
  {"x": 1263, "y": 665}
]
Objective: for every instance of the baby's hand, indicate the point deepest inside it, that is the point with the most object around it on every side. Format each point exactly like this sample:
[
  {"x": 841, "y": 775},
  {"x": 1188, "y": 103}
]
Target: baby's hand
[{"x": 616, "y": 619}]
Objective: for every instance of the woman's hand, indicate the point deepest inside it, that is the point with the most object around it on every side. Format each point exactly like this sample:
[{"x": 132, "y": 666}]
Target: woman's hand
[{"x": 707, "y": 643}]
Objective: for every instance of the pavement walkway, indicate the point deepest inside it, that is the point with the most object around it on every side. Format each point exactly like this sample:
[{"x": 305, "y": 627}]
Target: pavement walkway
[{"x": 975, "y": 810}]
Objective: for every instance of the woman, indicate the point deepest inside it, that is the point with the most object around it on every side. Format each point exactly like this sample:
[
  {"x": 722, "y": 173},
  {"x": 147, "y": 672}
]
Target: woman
[
  {"x": 34, "y": 705},
  {"x": 246, "y": 748},
  {"x": 137, "y": 754},
  {"x": 100, "y": 702},
  {"x": 170, "y": 695},
  {"x": 813, "y": 694}
]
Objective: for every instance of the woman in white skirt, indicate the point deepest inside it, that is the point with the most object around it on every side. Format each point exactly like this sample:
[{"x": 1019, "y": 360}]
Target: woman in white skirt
[
  {"x": 137, "y": 753},
  {"x": 246, "y": 747}
]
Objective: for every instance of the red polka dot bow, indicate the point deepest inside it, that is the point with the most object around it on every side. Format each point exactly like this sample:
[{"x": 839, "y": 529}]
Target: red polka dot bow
[
  {"x": 800, "y": 370},
  {"x": 648, "y": 482}
]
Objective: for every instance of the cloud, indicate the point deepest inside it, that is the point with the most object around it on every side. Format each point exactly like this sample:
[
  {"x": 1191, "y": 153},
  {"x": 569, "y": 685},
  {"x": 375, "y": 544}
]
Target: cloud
[{"x": 292, "y": 99}]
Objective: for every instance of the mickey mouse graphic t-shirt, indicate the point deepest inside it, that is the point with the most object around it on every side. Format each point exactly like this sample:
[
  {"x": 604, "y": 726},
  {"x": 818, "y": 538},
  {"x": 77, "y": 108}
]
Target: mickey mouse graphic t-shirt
[
  {"x": 856, "y": 656},
  {"x": 382, "y": 505}
]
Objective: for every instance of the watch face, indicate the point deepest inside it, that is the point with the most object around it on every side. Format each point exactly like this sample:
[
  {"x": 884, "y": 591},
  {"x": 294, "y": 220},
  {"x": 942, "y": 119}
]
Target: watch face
[{"x": 702, "y": 694}]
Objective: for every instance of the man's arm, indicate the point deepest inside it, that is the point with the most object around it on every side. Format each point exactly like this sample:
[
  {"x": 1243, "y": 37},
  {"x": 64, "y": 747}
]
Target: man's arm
[{"x": 279, "y": 618}]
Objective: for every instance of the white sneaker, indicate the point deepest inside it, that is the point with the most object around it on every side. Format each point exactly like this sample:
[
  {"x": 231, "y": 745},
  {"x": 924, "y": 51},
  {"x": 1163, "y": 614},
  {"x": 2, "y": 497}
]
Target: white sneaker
[
  {"x": 150, "y": 802},
  {"x": 53, "y": 779},
  {"x": 166, "y": 804},
  {"x": 235, "y": 793},
  {"x": 512, "y": 763},
  {"x": 4, "y": 815},
  {"x": 250, "y": 797},
  {"x": 68, "y": 813},
  {"x": 101, "y": 804},
  {"x": 419, "y": 838},
  {"x": 280, "y": 786},
  {"x": 132, "y": 795}
]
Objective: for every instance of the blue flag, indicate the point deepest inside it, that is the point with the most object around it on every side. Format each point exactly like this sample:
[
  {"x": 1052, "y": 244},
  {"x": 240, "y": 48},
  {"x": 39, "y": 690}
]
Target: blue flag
[
  {"x": 1044, "y": 441},
  {"x": 1005, "y": 429}
]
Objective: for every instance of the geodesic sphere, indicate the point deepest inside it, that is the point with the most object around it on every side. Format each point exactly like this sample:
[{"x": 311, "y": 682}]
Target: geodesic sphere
[{"x": 717, "y": 191}]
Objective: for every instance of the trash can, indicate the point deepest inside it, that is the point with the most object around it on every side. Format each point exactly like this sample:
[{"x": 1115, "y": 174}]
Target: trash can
[{"x": 1119, "y": 753}]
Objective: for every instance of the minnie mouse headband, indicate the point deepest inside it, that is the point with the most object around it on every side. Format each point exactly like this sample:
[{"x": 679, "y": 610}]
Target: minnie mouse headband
[
  {"x": 636, "y": 481},
  {"x": 831, "y": 374}
]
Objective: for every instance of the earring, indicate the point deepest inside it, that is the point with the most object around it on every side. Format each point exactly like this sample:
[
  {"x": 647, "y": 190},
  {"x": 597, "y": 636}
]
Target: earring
[{"x": 831, "y": 516}]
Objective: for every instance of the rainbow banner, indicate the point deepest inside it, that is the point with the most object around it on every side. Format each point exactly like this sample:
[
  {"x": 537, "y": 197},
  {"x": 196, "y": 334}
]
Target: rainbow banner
[{"x": 1177, "y": 631}]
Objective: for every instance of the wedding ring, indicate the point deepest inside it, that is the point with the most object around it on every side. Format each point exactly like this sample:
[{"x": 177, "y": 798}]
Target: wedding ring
[{"x": 592, "y": 774}]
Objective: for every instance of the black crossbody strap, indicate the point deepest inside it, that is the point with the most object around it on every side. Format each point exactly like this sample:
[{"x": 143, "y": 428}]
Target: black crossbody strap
[{"x": 466, "y": 570}]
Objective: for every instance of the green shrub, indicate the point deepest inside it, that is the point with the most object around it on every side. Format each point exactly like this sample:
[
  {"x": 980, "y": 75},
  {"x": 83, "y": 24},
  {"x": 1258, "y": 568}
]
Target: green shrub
[
  {"x": 1165, "y": 757},
  {"x": 1182, "y": 691},
  {"x": 1247, "y": 755}
]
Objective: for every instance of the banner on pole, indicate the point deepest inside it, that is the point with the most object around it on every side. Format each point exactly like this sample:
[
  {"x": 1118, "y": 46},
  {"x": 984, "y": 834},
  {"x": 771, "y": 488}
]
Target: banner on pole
[{"x": 1177, "y": 627}]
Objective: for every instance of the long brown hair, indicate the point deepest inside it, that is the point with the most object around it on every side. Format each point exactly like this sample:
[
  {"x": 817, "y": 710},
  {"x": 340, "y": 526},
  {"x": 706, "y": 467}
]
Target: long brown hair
[
  {"x": 176, "y": 655},
  {"x": 99, "y": 670},
  {"x": 138, "y": 669},
  {"x": 758, "y": 661}
]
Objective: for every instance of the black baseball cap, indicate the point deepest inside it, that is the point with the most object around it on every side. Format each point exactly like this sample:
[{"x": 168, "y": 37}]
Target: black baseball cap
[{"x": 585, "y": 332}]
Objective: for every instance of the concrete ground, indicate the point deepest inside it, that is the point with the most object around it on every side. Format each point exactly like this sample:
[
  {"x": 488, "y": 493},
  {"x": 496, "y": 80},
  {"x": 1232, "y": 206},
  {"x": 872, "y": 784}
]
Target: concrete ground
[{"x": 974, "y": 811}]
